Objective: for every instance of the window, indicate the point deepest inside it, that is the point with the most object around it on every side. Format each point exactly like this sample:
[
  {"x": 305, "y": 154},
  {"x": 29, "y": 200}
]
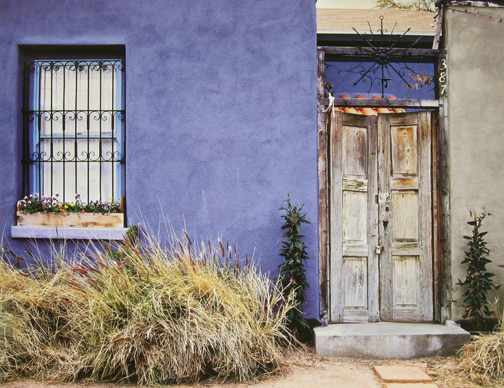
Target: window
[
  {"x": 401, "y": 79},
  {"x": 74, "y": 135}
]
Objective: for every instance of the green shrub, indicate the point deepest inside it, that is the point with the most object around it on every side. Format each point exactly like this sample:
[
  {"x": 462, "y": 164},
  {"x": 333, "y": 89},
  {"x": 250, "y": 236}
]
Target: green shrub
[
  {"x": 292, "y": 271},
  {"x": 141, "y": 312},
  {"x": 478, "y": 280}
]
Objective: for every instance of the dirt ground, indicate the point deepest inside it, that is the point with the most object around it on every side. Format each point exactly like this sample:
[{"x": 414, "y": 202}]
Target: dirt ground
[{"x": 304, "y": 369}]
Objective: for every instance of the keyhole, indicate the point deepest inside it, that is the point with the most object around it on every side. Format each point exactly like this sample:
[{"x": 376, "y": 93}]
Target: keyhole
[
  {"x": 386, "y": 208},
  {"x": 385, "y": 224}
]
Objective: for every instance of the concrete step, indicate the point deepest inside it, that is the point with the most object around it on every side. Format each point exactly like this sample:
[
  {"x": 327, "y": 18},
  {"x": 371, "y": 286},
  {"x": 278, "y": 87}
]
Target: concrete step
[
  {"x": 388, "y": 340},
  {"x": 402, "y": 374}
]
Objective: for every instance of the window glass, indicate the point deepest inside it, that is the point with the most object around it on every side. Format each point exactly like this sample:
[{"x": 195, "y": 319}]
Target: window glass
[{"x": 401, "y": 80}]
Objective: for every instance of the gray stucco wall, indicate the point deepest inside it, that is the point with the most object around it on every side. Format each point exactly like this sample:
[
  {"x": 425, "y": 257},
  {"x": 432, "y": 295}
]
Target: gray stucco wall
[
  {"x": 221, "y": 112},
  {"x": 475, "y": 133}
]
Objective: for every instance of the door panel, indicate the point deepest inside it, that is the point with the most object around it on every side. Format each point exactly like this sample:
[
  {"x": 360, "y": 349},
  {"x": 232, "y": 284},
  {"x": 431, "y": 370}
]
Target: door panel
[
  {"x": 353, "y": 217},
  {"x": 355, "y": 151},
  {"x": 405, "y": 205},
  {"x": 405, "y": 228},
  {"x": 355, "y": 272},
  {"x": 404, "y": 144},
  {"x": 380, "y": 218},
  {"x": 405, "y": 280}
]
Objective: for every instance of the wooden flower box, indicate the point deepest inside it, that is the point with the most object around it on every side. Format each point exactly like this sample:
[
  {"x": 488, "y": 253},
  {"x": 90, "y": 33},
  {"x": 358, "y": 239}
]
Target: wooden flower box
[{"x": 68, "y": 220}]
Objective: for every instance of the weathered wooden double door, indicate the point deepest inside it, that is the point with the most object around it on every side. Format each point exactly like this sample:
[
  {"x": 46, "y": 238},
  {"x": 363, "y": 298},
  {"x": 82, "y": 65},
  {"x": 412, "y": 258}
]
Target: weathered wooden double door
[{"x": 380, "y": 217}]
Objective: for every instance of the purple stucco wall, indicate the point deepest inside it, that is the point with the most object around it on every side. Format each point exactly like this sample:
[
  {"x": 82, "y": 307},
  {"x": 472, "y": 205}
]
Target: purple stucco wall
[{"x": 221, "y": 112}]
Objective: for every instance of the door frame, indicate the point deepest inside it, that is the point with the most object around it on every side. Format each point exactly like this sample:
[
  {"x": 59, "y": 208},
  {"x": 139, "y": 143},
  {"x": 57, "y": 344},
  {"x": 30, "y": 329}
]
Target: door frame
[{"x": 440, "y": 189}]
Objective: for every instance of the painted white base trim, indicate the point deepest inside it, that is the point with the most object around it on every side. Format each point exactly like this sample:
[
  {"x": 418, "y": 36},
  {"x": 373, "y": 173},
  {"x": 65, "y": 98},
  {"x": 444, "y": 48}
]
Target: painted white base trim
[{"x": 51, "y": 232}]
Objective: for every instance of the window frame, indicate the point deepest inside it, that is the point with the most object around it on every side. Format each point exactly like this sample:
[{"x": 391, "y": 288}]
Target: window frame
[{"x": 29, "y": 54}]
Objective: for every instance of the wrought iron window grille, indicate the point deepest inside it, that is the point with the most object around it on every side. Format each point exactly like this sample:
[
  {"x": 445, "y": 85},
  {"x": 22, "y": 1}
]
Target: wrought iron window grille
[
  {"x": 74, "y": 128},
  {"x": 378, "y": 60}
]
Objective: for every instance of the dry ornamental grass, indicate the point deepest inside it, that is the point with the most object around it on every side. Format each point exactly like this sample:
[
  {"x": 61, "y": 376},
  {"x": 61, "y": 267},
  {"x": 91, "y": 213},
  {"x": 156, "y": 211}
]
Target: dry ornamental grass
[
  {"x": 141, "y": 312},
  {"x": 482, "y": 360}
]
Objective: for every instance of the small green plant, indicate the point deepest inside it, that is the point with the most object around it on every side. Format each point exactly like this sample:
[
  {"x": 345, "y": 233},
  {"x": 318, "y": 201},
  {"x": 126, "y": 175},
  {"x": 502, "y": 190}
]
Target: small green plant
[
  {"x": 292, "y": 271},
  {"x": 119, "y": 251},
  {"x": 478, "y": 280},
  {"x": 5, "y": 252},
  {"x": 33, "y": 203}
]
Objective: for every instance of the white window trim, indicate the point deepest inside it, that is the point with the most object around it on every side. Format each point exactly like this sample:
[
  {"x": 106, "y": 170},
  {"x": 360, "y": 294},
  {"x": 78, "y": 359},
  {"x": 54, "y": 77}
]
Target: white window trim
[{"x": 67, "y": 233}]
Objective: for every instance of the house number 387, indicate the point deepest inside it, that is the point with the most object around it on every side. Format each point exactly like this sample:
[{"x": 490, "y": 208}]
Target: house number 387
[{"x": 442, "y": 77}]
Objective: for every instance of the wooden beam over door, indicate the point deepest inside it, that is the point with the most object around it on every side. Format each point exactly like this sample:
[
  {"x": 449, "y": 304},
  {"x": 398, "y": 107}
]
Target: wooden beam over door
[
  {"x": 400, "y": 53},
  {"x": 382, "y": 102}
]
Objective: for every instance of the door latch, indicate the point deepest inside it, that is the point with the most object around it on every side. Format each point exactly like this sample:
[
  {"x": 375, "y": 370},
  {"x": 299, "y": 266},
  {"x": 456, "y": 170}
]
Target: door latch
[{"x": 378, "y": 249}]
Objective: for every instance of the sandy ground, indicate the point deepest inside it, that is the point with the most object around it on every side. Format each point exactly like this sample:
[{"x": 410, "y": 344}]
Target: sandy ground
[{"x": 304, "y": 369}]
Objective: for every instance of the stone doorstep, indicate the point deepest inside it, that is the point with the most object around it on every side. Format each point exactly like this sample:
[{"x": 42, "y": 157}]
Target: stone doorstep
[
  {"x": 389, "y": 340},
  {"x": 402, "y": 374},
  {"x": 410, "y": 385}
]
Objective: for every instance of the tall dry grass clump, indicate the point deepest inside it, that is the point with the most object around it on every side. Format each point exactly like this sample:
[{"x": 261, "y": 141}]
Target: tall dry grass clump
[
  {"x": 143, "y": 312},
  {"x": 482, "y": 360}
]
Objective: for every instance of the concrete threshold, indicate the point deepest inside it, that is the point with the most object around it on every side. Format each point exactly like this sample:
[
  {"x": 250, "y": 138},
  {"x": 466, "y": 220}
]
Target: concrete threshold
[{"x": 389, "y": 340}]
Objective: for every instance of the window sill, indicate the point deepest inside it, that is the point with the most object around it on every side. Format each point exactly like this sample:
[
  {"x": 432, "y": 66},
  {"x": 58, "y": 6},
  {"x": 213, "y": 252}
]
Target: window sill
[{"x": 68, "y": 233}]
